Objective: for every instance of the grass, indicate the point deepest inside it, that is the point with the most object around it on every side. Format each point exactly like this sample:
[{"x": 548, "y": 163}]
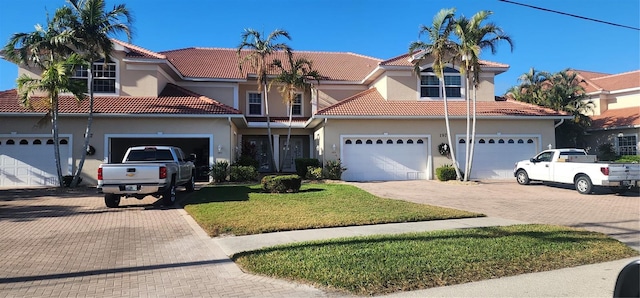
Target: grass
[
  {"x": 245, "y": 209},
  {"x": 385, "y": 264}
]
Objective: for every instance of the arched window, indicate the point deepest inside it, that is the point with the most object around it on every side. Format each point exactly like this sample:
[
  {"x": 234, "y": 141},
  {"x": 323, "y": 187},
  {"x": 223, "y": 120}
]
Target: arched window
[
  {"x": 481, "y": 141},
  {"x": 11, "y": 142},
  {"x": 520, "y": 141},
  {"x": 63, "y": 142},
  {"x": 500, "y": 141},
  {"x": 529, "y": 141},
  {"x": 511, "y": 141},
  {"x": 37, "y": 142},
  {"x": 399, "y": 142},
  {"x": 462, "y": 141},
  {"x": 379, "y": 141},
  {"x": 347, "y": 142},
  {"x": 420, "y": 141},
  {"x": 24, "y": 142},
  {"x": 369, "y": 142},
  {"x": 49, "y": 142},
  {"x": 389, "y": 141},
  {"x": 358, "y": 142},
  {"x": 409, "y": 141},
  {"x": 491, "y": 141}
]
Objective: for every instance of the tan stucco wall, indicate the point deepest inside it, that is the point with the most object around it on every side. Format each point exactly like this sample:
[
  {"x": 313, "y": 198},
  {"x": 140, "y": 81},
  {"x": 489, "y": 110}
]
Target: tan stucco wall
[
  {"x": 223, "y": 95},
  {"x": 145, "y": 127},
  {"x": 328, "y": 95},
  {"x": 604, "y": 102},
  {"x": 486, "y": 88},
  {"x": 329, "y": 133},
  {"x": 402, "y": 86},
  {"x": 144, "y": 82}
]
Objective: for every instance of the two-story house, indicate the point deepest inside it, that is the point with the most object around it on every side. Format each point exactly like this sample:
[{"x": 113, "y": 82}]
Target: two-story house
[
  {"x": 378, "y": 117},
  {"x": 616, "y": 110}
]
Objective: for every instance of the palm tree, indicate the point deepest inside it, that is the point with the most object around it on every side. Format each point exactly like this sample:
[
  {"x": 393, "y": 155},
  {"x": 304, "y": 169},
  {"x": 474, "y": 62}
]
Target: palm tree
[
  {"x": 46, "y": 49},
  {"x": 531, "y": 88},
  {"x": 474, "y": 36},
  {"x": 261, "y": 49},
  {"x": 293, "y": 79},
  {"x": 91, "y": 26},
  {"x": 442, "y": 50}
]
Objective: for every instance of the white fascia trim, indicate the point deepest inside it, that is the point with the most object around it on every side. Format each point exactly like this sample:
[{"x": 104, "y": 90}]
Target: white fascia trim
[
  {"x": 274, "y": 125},
  {"x": 222, "y": 116},
  {"x": 442, "y": 117},
  {"x": 625, "y": 90}
]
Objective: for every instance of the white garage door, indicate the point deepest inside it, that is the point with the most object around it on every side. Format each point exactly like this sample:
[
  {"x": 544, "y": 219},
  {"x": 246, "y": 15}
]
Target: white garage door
[
  {"x": 381, "y": 158},
  {"x": 29, "y": 161},
  {"x": 494, "y": 156}
]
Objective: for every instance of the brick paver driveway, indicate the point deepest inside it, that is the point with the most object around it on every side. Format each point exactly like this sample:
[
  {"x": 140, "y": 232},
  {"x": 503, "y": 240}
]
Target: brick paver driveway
[
  {"x": 616, "y": 216},
  {"x": 59, "y": 244}
]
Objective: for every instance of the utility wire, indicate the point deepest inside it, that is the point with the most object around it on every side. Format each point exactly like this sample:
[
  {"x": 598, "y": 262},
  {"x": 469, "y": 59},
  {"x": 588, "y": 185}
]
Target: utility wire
[{"x": 571, "y": 15}]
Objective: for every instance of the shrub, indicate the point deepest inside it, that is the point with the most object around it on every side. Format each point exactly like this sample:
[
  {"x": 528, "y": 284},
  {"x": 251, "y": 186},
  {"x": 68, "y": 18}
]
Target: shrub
[
  {"x": 248, "y": 155},
  {"x": 606, "y": 152},
  {"x": 219, "y": 171},
  {"x": 314, "y": 173},
  {"x": 281, "y": 184},
  {"x": 629, "y": 159},
  {"x": 333, "y": 169},
  {"x": 446, "y": 173},
  {"x": 239, "y": 173},
  {"x": 302, "y": 164}
]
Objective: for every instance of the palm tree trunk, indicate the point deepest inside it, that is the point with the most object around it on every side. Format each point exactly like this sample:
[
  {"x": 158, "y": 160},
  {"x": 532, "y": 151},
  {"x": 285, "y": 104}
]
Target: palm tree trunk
[
  {"x": 446, "y": 121},
  {"x": 87, "y": 133},
  {"x": 467, "y": 147},
  {"x": 56, "y": 142},
  {"x": 272, "y": 163},
  {"x": 473, "y": 130},
  {"x": 288, "y": 146}
]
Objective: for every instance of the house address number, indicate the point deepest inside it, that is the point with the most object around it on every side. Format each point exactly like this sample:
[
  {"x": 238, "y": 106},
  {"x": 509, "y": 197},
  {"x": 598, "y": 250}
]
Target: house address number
[{"x": 443, "y": 135}]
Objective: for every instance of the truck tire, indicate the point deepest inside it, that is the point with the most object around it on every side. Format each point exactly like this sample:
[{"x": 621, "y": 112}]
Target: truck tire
[
  {"x": 522, "y": 177},
  {"x": 169, "y": 195},
  {"x": 583, "y": 184},
  {"x": 191, "y": 185},
  {"x": 111, "y": 200}
]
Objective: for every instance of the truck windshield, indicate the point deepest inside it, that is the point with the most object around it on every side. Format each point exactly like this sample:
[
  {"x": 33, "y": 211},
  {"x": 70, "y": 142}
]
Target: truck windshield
[{"x": 149, "y": 155}]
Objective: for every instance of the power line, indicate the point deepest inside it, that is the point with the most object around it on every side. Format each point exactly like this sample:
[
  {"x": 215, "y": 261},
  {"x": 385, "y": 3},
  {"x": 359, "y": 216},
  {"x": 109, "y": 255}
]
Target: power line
[{"x": 571, "y": 15}]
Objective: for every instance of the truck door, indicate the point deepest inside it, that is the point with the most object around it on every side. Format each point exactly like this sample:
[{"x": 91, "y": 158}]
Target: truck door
[
  {"x": 541, "y": 166},
  {"x": 183, "y": 166}
]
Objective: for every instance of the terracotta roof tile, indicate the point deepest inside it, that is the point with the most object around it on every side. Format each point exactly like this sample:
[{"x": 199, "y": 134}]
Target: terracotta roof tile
[
  {"x": 136, "y": 51},
  {"x": 609, "y": 82},
  {"x": 618, "y": 118},
  {"x": 371, "y": 103},
  {"x": 404, "y": 60},
  {"x": 172, "y": 100},
  {"x": 223, "y": 63}
]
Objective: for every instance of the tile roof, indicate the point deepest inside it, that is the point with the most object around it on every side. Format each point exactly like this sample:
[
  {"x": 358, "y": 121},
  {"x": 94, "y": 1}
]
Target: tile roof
[
  {"x": 136, "y": 51},
  {"x": 617, "y": 118},
  {"x": 172, "y": 100},
  {"x": 609, "y": 82},
  {"x": 223, "y": 63},
  {"x": 403, "y": 60},
  {"x": 371, "y": 103}
]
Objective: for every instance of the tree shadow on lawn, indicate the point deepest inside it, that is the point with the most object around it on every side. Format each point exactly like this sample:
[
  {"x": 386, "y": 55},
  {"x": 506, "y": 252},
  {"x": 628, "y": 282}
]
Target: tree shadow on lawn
[{"x": 231, "y": 193}]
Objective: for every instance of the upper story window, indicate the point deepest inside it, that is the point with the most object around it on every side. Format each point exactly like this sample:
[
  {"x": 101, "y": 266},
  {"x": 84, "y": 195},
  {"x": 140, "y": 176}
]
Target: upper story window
[
  {"x": 296, "y": 109},
  {"x": 104, "y": 76},
  {"x": 254, "y": 103},
  {"x": 430, "y": 84},
  {"x": 627, "y": 145}
]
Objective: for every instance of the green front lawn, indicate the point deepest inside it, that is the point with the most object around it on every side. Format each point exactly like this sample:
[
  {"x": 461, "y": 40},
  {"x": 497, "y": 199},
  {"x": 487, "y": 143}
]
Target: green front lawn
[
  {"x": 245, "y": 209},
  {"x": 385, "y": 264}
]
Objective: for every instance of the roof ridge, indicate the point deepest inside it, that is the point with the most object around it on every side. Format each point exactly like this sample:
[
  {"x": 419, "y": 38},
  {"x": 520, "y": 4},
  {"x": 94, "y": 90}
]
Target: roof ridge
[
  {"x": 349, "y": 99},
  {"x": 588, "y": 81},
  {"x": 616, "y": 74},
  {"x": 138, "y": 48}
]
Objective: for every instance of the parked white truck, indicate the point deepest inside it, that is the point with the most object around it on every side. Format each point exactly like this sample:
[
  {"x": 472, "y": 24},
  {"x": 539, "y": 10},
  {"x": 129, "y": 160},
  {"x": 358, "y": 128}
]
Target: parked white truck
[
  {"x": 147, "y": 170},
  {"x": 574, "y": 166}
]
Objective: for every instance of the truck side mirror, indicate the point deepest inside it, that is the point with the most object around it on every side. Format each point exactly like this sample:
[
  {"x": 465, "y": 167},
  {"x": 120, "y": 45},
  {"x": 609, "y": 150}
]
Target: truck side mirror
[
  {"x": 533, "y": 160},
  {"x": 192, "y": 157}
]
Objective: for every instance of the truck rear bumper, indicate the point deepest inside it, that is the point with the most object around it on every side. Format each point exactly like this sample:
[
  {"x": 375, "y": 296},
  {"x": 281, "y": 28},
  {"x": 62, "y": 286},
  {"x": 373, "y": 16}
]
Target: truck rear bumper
[
  {"x": 133, "y": 189},
  {"x": 629, "y": 183}
]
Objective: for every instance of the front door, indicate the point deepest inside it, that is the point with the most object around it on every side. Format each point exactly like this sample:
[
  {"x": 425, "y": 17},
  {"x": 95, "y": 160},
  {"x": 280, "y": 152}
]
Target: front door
[
  {"x": 288, "y": 154},
  {"x": 261, "y": 146}
]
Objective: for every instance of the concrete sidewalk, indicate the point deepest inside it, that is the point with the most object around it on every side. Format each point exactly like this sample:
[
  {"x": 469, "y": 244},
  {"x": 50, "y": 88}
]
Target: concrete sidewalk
[{"x": 596, "y": 280}]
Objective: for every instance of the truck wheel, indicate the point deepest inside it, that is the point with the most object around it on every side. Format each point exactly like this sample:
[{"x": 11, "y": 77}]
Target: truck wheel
[
  {"x": 583, "y": 184},
  {"x": 111, "y": 200},
  {"x": 169, "y": 196},
  {"x": 191, "y": 185},
  {"x": 522, "y": 177}
]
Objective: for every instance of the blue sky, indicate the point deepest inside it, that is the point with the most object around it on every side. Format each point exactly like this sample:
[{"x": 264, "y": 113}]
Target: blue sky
[{"x": 381, "y": 29}]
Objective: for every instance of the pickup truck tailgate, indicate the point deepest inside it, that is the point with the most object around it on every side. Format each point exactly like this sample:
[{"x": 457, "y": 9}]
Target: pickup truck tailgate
[
  {"x": 619, "y": 172},
  {"x": 125, "y": 173}
]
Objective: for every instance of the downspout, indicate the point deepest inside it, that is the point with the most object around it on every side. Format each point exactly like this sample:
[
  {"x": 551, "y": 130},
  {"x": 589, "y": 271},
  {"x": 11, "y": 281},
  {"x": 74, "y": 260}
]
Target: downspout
[{"x": 559, "y": 123}]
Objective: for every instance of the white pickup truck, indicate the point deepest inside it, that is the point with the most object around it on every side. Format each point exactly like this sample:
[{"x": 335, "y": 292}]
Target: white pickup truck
[
  {"x": 147, "y": 170},
  {"x": 574, "y": 166}
]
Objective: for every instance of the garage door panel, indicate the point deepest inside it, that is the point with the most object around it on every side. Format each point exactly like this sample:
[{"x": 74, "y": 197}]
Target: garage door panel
[
  {"x": 30, "y": 164},
  {"x": 385, "y": 161},
  {"x": 496, "y": 160}
]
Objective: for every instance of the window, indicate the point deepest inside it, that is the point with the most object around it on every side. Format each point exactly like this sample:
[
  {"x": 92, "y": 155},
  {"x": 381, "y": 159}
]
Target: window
[
  {"x": 296, "y": 109},
  {"x": 627, "y": 145},
  {"x": 104, "y": 76},
  {"x": 430, "y": 84},
  {"x": 255, "y": 103}
]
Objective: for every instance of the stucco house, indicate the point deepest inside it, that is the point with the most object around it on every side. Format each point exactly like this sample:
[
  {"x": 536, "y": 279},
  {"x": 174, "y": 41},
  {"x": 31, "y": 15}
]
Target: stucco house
[
  {"x": 616, "y": 114},
  {"x": 377, "y": 116}
]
